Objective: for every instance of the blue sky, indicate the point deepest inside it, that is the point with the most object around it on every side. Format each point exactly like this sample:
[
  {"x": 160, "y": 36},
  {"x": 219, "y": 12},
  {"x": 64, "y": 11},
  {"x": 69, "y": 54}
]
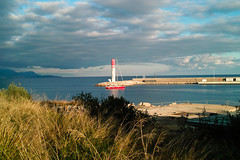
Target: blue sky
[{"x": 79, "y": 38}]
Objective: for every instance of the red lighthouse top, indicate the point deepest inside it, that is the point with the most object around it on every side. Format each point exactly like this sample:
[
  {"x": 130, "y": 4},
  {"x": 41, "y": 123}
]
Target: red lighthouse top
[{"x": 113, "y": 63}]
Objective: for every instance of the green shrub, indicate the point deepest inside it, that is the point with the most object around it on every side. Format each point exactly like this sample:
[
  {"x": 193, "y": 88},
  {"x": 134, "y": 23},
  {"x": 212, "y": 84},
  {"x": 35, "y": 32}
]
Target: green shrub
[
  {"x": 89, "y": 102},
  {"x": 15, "y": 92},
  {"x": 117, "y": 108},
  {"x": 120, "y": 109}
]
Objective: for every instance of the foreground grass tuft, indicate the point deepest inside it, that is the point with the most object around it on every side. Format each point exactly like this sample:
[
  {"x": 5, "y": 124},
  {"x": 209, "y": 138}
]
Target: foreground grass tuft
[{"x": 15, "y": 92}]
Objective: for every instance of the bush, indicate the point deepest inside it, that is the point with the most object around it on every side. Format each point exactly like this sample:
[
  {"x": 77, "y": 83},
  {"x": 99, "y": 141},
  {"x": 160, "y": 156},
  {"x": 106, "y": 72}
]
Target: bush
[
  {"x": 110, "y": 107},
  {"x": 121, "y": 110},
  {"x": 89, "y": 102},
  {"x": 15, "y": 92}
]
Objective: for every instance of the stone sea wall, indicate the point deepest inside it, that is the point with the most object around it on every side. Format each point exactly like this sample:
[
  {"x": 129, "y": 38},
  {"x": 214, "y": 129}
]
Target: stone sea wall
[{"x": 167, "y": 81}]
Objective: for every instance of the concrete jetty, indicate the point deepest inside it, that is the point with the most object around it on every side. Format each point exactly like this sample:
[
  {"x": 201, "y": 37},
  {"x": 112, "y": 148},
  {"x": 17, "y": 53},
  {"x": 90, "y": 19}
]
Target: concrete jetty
[
  {"x": 218, "y": 83},
  {"x": 118, "y": 83},
  {"x": 175, "y": 81}
]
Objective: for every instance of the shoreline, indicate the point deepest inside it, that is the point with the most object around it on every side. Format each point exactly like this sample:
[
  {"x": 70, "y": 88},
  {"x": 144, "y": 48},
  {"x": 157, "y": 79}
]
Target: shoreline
[
  {"x": 171, "y": 111},
  {"x": 187, "y": 110}
]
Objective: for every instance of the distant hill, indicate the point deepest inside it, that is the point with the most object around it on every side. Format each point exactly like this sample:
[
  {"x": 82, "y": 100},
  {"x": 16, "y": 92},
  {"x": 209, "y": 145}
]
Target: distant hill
[{"x": 6, "y": 73}]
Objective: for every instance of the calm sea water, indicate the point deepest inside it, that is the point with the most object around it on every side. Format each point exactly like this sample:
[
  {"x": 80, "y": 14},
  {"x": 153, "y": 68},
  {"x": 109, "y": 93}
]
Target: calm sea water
[{"x": 65, "y": 88}]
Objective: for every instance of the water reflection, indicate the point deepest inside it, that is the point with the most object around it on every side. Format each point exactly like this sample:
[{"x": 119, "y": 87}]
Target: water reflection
[
  {"x": 116, "y": 92},
  {"x": 113, "y": 92}
]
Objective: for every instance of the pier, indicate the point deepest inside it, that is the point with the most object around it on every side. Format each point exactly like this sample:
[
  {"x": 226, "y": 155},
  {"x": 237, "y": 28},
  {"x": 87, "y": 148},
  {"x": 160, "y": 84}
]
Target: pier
[{"x": 176, "y": 81}]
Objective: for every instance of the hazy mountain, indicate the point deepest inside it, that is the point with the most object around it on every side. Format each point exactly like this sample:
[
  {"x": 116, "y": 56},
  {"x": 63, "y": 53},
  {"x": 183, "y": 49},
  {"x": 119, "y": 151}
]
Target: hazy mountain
[{"x": 6, "y": 73}]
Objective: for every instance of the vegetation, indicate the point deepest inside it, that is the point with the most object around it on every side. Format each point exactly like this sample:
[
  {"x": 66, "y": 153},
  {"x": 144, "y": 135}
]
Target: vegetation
[
  {"x": 116, "y": 108},
  {"x": 33, "y": 130},
  {"x": 14, "y": 92}
]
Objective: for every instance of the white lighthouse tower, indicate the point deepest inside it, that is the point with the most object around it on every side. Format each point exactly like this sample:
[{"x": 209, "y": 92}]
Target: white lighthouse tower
[
  {"x": 113, "y": 70},
  {"x": 114, "y": 85}
]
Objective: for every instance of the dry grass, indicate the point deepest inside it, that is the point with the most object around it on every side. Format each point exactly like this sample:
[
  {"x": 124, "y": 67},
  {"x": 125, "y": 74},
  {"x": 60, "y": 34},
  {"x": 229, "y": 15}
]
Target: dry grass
[{"x": 30, "y": 130}]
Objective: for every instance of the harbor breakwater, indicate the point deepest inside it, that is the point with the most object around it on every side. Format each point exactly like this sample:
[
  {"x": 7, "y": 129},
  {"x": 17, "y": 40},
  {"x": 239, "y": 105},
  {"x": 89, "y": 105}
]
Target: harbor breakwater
[{"x": 174, "y": 81}]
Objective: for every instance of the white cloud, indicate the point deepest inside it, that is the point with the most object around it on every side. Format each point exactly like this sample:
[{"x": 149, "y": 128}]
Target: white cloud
[
  {"x": 186, "y": 60},
  {"x": 206, "y": 61}
]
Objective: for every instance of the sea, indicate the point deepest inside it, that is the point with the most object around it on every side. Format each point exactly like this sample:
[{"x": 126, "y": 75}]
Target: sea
[{"x": 64, "y": 88}]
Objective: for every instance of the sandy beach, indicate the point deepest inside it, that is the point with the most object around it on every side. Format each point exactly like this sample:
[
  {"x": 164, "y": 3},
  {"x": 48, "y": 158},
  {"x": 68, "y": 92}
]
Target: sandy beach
[{"x": 189, "y": 110}]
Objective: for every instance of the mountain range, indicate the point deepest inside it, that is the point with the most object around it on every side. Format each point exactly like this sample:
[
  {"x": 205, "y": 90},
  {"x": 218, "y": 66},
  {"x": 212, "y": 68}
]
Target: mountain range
[{"x": 7, "y": 73}]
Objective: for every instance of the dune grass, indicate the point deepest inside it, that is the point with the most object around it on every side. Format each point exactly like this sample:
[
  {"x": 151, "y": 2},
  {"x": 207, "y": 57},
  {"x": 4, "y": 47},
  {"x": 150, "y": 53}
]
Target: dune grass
[
  {"x": 29, "y": 130},
  {"x": 32, "y": 130}
]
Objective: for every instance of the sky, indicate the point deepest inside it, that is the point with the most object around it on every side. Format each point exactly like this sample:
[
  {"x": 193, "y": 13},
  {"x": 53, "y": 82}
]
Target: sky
[{"x": 78, "y": 38}]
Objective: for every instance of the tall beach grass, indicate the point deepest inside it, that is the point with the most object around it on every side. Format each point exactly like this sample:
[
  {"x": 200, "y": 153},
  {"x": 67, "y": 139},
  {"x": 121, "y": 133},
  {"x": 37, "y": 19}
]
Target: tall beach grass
[
  {"x": 29, "y": 130},
  {"x": 33, "y": 130}
]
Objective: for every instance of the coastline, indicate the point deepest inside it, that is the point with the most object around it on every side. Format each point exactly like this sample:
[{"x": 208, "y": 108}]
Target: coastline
[{"x": 188, "y": 110}]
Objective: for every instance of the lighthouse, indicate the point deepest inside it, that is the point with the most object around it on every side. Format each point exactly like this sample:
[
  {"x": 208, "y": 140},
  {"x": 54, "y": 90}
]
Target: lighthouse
[
  {"x": 113, "y": 70},
  {"x": 114, "y": 85}
]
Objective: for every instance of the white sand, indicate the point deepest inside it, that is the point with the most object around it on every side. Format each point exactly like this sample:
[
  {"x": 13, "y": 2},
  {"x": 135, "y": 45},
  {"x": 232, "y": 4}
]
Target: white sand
[{"x": 190, "y": 110}]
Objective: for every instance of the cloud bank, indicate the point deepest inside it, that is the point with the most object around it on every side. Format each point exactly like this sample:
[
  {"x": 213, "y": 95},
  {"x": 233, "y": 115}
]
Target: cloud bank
[{"x": 79, "y": 38}]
